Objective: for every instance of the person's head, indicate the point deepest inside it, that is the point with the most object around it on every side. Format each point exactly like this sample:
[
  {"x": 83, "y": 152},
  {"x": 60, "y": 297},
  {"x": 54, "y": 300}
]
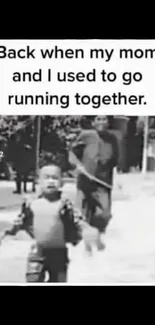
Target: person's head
[
  {"x": 50, "y": 180},
  {"x": 100, "y": 123}
]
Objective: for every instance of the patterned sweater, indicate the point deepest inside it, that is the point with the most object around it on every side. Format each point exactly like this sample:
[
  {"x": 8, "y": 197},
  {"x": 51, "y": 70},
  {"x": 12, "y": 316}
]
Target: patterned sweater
[{"x": 71, "y": 219}]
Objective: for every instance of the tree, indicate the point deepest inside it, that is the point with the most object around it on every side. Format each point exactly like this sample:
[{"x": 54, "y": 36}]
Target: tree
[{"x": 56, "y": 134}]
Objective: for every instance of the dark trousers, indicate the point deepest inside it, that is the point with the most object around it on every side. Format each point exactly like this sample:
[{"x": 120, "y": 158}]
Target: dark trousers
[
  {"x": 54, "y": 262},
  {"x": 23, "y": 178},
  {"x": 94, "y": 201}
]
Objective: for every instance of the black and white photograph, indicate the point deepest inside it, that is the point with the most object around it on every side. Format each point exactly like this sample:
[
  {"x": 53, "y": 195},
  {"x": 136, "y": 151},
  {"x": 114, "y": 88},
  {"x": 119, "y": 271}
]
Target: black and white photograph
[{"x": 77, "y": 199}]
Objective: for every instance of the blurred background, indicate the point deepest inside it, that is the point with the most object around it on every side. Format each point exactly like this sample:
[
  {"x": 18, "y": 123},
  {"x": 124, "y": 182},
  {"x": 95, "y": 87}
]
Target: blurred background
[{"x": 27, "y": 142}]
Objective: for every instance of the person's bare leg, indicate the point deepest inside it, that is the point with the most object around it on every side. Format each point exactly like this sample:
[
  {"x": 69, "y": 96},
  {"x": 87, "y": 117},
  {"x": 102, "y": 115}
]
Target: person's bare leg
[
  {"x": 33, "y": 186},
  {"x": 18, "y": 184},
  {"x": 100, "y": 244},
  {"x": 25, "y": 179}
]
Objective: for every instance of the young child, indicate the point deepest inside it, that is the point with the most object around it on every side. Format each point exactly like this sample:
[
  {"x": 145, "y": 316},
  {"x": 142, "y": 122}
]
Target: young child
[
  {"x": 95, "y": 154},
  {"x": 52, "y": 222}
]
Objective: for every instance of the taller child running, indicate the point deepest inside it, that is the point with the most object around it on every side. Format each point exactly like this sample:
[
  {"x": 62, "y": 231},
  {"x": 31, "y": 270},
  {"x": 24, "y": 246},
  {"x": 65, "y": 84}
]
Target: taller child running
[{"x": 95, "y": 154}]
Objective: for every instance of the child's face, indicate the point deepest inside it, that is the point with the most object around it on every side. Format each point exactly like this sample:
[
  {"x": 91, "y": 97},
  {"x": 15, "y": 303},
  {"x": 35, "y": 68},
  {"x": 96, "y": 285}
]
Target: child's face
[
  {"x": 100, "y": 123},
  {"x": 50, "y": 179}
]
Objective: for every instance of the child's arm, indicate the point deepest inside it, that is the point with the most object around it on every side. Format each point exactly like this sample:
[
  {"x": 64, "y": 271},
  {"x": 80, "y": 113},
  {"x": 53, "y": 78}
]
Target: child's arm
[
  {"x": 13, "y": 230},
  {"x": 22, "y": 222},
  {"x": 17, "y": 224}
]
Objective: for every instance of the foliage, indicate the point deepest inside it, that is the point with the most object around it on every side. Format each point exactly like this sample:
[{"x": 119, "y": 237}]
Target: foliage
[{"x": 57, "y": 132}]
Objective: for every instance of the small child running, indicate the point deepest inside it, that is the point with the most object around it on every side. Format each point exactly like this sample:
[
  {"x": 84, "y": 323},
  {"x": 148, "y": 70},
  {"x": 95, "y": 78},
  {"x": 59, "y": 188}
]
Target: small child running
[{"x": 52, "y": 222}]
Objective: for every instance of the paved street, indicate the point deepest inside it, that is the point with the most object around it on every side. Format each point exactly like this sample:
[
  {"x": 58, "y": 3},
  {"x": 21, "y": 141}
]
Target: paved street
[
  {"x": 130, "y": 242},
  {"x": 130, "y": 248},
  {"x": 125, "y": 187}
]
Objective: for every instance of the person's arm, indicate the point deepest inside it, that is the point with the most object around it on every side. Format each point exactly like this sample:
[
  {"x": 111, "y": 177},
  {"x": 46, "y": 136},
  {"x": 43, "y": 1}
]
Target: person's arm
[
  {"x": 78, "y": 147},
  {"x": 112, "y": 161},
  {"x": 115, "y": 157}
]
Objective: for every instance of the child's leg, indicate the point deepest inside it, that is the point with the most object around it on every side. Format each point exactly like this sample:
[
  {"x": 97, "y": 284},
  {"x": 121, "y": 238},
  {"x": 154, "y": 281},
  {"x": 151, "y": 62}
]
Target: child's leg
[
  {"x": 100, "y": 244},
  {"x": 102, "y": 215},
  {"x": 35, "y": 277},
  {"x": 35, "y": 266},
  {"x": 57, "y": 276},
  {"x": 25, "y": 178},
  {"x": 57, "y": 265}
]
